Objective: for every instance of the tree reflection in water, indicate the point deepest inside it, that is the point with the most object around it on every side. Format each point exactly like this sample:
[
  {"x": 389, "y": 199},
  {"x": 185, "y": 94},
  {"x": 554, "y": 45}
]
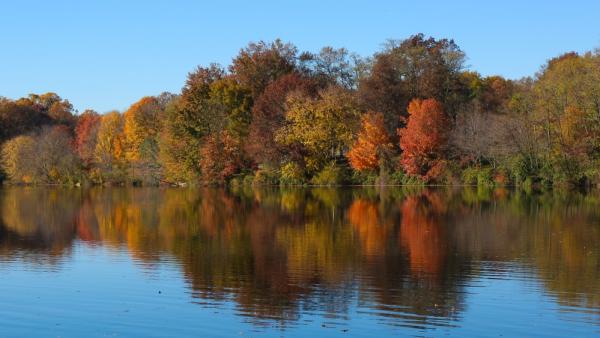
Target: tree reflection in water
[{"x": 276, "y": 253}]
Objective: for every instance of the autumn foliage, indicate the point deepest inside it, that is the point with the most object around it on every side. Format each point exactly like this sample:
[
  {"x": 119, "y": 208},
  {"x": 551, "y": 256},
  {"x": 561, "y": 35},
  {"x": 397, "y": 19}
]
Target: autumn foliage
[
  {"x": 284, "y": 116},
  {"x": 220, "y": 158},
  {"x": 86, "y": 132},
  {"x": 424, "y": 139},
  {"x": 372, "y": 144}
]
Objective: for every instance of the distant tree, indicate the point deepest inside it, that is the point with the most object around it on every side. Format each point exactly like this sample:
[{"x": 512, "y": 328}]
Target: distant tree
[
  {"x": 178, "y": 149},
  {"x": 424, "y": 139},
  {"x": 373, "y": 144},
  {"x": 17, "y": 159},
  {"x": 199, "y": 116},
  {"x": 332, "y": 66},
  {"x": 324, "y": 126},
  {"x": 220, "y": 157},
  {"x": 141, "y": 129},
  {"x": 234, "y": 104},
  {"x": 261, "y": 63},
  {"x": 20, "y": 117},
  {"x": 187, "y": 120},
  {"x": 268, "y": 116},
  {"x": 57, "y": 161},
  {"x": 47, "y": 157},
  {"x": 86, "y": 133},
  {"x": 59, "y": 110},
  {"x": 110, "y": 149},
  {"x": 417, "y": 67}
]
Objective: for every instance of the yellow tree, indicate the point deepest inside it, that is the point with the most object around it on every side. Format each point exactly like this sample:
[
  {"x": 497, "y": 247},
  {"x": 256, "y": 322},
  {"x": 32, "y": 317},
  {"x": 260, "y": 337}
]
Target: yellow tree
[
  {"x": 141, "y": 129},
  {"x": 323, "y": 126},
  {"x": 110, "y": 152}
]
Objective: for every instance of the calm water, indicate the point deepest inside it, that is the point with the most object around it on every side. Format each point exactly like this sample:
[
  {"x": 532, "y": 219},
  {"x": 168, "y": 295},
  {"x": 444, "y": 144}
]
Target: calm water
[{"x": 313, "y": 262}]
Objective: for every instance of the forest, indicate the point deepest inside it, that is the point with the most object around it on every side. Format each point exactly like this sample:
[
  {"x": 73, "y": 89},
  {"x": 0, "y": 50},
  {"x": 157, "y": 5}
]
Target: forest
[{"x": 412, "y": 113}]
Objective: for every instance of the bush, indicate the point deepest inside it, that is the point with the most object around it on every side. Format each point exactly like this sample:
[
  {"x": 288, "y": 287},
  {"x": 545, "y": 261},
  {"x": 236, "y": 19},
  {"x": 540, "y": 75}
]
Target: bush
[
  {"x": 332, "y": 174},
  {"x": 363, "y": 177},
  {"x": 248, "y": 180},
  {"x": 291, "y": 174},
  {"x": 469, "y": 176},
  {"x": 399, "y": 177},
  {"x": 479, "y": 176},
  {"x": 266, "y": 175},
  {"x": 525, "y": 167}
]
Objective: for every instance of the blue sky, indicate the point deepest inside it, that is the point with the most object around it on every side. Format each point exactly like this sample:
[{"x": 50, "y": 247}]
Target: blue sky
[{"x": 107, "y": 54}]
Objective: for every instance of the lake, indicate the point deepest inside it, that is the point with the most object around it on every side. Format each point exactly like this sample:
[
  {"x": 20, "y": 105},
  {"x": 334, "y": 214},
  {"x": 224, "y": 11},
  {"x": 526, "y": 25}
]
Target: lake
[{"x": 158, "y": 262}]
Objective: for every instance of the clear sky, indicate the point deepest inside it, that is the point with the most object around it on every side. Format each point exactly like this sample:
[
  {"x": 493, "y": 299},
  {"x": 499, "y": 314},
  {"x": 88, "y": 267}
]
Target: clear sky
[{"x": 106, "y": 54}]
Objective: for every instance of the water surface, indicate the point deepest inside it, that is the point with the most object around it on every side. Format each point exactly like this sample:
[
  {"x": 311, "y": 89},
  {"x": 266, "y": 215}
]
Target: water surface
[{"x": 298, "y": 262}]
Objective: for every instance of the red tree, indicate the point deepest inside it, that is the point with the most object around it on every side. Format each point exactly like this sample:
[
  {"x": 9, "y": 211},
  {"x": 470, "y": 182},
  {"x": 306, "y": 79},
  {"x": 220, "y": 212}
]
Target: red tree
[
  {"x": 424, "y": 138},
  {"x": 86, "y": 130}
]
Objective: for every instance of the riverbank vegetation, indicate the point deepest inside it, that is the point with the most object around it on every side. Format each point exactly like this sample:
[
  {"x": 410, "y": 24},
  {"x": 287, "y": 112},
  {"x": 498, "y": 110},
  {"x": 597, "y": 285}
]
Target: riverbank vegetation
[{"x": 412, "y": 113}]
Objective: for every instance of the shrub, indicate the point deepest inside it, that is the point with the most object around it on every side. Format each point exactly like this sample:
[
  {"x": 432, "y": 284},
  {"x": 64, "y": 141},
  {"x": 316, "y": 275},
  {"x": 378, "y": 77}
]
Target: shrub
[
  {"x": 266, "y": 175},
  {"x": 363, "y": 177},
  {"x": 291, "y": 174},
  {"x": 248, "y": 180},
  {"x": 469, "y": 176},
  {"x": 399, "y": 177},
  {"x": 332, "y": 174}
]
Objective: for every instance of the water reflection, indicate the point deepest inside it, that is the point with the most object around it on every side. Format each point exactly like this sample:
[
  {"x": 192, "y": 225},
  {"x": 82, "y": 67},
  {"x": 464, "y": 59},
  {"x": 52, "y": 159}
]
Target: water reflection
[{"x": 404, "y": 256}]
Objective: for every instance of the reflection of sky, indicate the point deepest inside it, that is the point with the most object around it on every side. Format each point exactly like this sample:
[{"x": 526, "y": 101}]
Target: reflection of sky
[{"x": 98, "y": 291}]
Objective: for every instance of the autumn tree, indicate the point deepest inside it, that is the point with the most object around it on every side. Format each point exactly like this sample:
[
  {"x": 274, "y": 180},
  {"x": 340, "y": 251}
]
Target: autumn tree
[
  {"x": 481, "y": 133},
  {"x": 59, "y": 110},
  {"x": 323, "y": 126},
  {"x": 186, "y": 121},
  {"x": 19, "y": 117},
  {"x": 86, "y": 133},
  {"x": 261, "y": 63},
  {"x": 220, "y": 157},
  {"x": 417, "y": 67},
  {"x": 48, "y": 157},
  {"x": 55, "y": 155},
  {"x": 268, "y": 116},
  {"x": 373, "y": 144},
  {"x": 178, "y": 153},
  {"x": 424, "y": 139},
  {"x": 17, "y": 159},
  {"x": 331, "y": 66},
  {"x": 234, "y": 104},
  {"x": 566, "y": 96},
  {"x": 110, "y": 149},
  {"x": 141, "y": 129}
]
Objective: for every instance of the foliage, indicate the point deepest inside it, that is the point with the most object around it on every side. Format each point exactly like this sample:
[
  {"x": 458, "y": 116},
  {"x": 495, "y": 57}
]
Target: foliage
[
  {"x": 331, "y": 174},
  {"x": 47, "y": 157},
  {"x": 261, "y": 63},
  {"x": 265, "y": 175},
  {"x": 141, "y": 129},
  {"x": 110, "y": 149},
  {"x": 268, "y": 116},
  {"x": 424, "y": 139},
  {"x": 220, "y": 158},
  {"x": 478, "y": 176},
  {"x": 323, "y": 126},
  {"x": 373, "y": 144},
  {"x": 292, "y": 174},
  {"x": 86, "y": 135},
  {"x": 410, "y": 114},
  {"x": 417, "y": 67}
]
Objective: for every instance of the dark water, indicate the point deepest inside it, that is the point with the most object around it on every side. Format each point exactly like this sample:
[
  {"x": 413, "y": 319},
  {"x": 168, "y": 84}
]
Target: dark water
[{"x": 314, "y": 262}]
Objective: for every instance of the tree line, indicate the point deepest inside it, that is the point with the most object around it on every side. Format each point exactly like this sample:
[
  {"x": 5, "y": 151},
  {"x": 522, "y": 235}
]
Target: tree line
[{"x": 412, "y": 113}]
